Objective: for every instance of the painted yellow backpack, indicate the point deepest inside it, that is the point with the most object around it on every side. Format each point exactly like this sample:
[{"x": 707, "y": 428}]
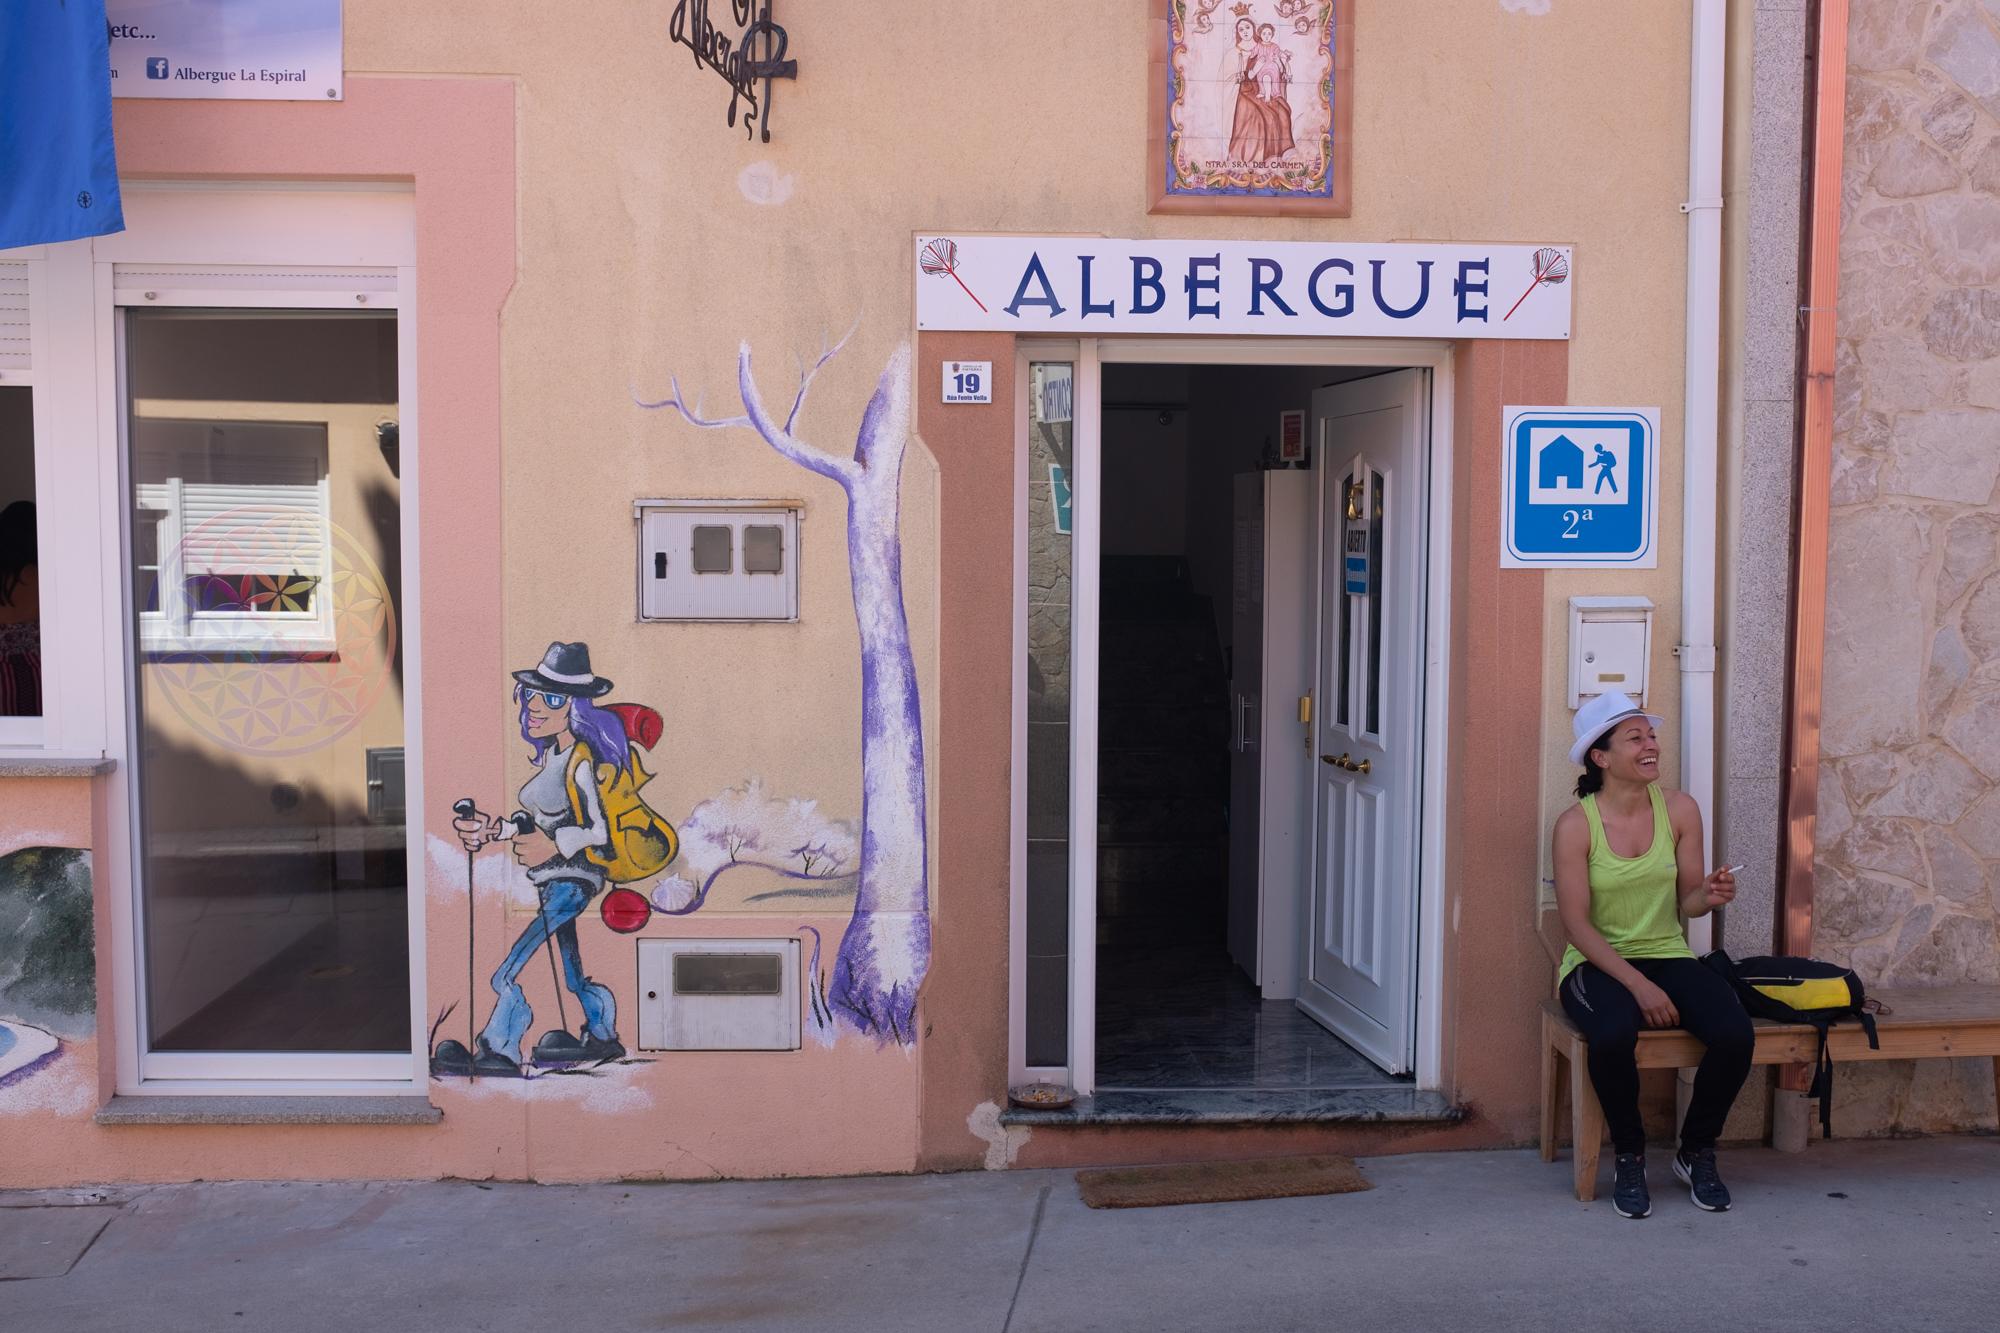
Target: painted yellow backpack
[{"x": 643, "y": 843}]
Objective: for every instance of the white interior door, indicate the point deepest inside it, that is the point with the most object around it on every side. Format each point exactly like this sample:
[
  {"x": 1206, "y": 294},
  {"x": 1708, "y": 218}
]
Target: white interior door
[
  {"x": 1360, "y": 969},
  {"x": 1284, "y": 795}
]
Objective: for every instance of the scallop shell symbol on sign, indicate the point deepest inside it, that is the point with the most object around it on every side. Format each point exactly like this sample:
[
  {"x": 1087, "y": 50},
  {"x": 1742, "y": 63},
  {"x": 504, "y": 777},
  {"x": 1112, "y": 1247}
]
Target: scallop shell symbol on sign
[
  {"x": 1551, "y": 268},
  {"x": 940, "y": 257}
]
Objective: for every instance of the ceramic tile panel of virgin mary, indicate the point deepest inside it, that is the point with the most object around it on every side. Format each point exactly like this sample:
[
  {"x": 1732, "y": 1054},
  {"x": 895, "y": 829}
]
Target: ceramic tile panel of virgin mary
[{"x": 1251, "y": 108}]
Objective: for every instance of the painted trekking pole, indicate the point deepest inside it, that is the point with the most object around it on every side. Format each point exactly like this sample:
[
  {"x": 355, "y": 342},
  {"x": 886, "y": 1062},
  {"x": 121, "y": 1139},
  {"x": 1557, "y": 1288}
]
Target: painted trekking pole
[{"x": 465, "y": 809}]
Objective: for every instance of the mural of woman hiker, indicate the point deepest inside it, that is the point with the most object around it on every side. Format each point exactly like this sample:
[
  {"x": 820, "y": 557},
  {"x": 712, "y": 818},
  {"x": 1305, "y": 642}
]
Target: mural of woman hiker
[{"x": 582, "y": 826}]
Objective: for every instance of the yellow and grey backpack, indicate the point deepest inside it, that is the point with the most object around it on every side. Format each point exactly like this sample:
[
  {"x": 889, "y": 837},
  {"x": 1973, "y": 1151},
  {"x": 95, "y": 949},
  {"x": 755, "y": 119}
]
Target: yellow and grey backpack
[
  {"x": 1802, "y": 990},
  {"x": 643, "y": 843}
]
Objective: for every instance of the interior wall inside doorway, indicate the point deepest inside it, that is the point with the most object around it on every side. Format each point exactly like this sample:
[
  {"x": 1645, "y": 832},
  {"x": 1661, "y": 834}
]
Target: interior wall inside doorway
[
  {"x": 1182, "y": 580},
  {"x": 1167, "y": 483}
]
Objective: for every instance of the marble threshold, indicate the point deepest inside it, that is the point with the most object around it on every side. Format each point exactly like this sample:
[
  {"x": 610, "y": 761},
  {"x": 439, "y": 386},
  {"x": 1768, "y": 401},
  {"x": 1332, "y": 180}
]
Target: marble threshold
[{"x": 1246, "y": 1106}]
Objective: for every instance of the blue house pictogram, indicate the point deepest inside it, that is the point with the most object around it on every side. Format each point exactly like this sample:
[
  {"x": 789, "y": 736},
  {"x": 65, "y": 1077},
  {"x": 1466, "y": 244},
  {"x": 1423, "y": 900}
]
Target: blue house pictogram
[{"x": 1560, "y": 464}]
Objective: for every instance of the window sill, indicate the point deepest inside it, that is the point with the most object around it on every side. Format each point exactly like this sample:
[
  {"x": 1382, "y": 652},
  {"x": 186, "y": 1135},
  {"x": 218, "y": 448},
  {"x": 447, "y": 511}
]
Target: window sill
[
  {"x": 53, "y": 766},
  {"x": 305, "y": 1110},
  {"x": 240, "y": 645}
]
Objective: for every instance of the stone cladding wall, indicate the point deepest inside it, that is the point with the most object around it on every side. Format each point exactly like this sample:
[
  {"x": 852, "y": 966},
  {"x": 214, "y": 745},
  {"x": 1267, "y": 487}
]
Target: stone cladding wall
[{"x": 1909, "y": 814}]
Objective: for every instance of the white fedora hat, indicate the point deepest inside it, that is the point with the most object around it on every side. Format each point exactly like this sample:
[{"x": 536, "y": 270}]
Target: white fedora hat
[{"x": 1600, "y": 714}]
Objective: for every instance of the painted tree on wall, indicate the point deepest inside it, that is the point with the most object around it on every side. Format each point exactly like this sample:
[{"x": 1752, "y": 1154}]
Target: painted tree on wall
[{"x": 886, "y": 949}]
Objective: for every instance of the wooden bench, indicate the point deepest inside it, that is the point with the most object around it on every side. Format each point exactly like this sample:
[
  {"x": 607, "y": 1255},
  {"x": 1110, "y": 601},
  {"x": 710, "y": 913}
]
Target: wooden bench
[{"x": 1921, "y": 1024}]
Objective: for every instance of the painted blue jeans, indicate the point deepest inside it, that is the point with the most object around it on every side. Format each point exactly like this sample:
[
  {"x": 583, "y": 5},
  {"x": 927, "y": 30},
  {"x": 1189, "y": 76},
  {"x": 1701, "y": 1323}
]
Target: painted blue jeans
[{"x": 563, "y": 900}]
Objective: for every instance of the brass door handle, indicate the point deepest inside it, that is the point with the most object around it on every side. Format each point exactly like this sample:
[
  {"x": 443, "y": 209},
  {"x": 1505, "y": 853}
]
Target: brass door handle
[
  {"x": 1337, "y": 763},
  {"x": 1343, "y": 762}
]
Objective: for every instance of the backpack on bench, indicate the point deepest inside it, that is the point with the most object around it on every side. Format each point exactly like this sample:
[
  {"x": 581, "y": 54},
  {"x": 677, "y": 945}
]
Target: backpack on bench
[{"x": 1802, "y": 990}]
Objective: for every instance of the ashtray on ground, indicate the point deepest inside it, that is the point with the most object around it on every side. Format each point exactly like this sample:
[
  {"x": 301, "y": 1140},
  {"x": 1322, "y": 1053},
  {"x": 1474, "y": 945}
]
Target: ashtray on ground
[{"x": 1041, "y": 1096}]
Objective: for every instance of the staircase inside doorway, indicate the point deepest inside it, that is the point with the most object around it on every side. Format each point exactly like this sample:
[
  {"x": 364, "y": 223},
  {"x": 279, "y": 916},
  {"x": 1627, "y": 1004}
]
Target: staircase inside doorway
[{"x": 1174, "y": 1012}]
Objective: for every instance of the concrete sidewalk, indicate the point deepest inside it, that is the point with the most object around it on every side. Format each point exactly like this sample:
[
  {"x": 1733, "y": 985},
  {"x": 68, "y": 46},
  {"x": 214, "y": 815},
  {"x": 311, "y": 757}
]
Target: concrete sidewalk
[{"x": 1871, "y": 1235}]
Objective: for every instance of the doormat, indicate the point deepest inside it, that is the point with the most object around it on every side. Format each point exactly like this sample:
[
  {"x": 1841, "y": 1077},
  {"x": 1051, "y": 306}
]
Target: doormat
[{"x": 1219, "y": 1182}]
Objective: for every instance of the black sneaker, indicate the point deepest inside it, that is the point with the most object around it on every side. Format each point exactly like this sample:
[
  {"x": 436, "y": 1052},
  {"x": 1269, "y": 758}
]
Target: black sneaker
[
  {"x": 450, "y": 1059},
  {"x": 557, "y": 1049},
  {"x": 1628, "y": 1186},
  {"x": 489, "y": 1063},
  {"x": 1697, "y": 1171},
  {"x": 602, "y": 1050}
]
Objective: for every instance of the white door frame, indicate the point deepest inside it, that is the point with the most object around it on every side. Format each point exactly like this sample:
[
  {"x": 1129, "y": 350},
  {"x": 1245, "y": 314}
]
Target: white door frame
[
  {"x": 269, "y": 227},
  {"x": 1089, "y": 356}
]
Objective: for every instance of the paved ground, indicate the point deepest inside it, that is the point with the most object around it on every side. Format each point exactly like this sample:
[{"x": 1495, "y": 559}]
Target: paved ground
[{"x": 1882, "y": 1235}]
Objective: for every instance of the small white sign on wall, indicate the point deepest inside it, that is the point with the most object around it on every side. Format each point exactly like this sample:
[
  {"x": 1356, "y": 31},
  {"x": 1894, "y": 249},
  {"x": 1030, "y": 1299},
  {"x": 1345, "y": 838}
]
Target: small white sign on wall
[{"x": 968, "y": 381}]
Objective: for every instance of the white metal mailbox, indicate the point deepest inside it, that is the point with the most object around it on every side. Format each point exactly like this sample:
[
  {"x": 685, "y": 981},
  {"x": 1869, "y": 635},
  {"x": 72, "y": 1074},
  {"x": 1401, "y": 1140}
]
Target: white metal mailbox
[
  {"x": 1610, "y": 645},
  {"x": 719, "y": 995},
  {"x": 718, "y": 559}
]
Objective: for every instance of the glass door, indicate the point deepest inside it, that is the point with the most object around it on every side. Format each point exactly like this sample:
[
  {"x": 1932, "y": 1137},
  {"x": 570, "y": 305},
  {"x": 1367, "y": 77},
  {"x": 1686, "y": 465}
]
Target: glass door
[
  {"x": 1050, "y": 490},
  {"x": 264, "y": 514}
]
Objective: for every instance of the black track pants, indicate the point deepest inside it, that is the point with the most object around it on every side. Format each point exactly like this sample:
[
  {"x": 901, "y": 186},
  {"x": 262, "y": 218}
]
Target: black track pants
[{"x": 1609, "y": 1018}]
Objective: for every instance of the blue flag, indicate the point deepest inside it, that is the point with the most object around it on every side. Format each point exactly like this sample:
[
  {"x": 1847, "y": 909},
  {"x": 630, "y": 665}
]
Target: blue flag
[{"x": 58, "y": 170}]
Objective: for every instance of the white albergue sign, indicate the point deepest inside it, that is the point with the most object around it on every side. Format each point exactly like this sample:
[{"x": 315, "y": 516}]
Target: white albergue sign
[
  {"x": 1083, "y": 285},
  {"x": 286, "y": 50}
]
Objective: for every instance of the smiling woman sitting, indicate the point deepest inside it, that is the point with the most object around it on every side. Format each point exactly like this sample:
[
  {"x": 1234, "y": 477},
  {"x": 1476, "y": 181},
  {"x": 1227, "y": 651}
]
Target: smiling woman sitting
[{"x": 1628, "y": 863}]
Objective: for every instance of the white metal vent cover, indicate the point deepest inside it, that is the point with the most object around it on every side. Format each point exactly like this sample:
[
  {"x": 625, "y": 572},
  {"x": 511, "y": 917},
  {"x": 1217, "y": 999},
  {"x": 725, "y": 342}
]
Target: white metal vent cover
[{"x": 719, "y": 995}]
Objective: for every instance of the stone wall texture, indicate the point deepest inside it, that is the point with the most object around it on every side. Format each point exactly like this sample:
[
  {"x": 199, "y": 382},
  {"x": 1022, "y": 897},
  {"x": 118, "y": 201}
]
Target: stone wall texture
[{"x": 1909, "y": 813}]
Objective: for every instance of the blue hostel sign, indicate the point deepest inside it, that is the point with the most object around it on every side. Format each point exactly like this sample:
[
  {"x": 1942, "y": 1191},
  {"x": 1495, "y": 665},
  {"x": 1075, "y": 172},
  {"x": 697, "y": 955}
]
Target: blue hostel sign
[{"x": 1580, "y": 487}]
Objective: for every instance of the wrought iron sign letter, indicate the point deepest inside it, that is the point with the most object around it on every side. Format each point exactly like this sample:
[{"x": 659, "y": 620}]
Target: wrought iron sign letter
[{"x": 738, "y": 61}]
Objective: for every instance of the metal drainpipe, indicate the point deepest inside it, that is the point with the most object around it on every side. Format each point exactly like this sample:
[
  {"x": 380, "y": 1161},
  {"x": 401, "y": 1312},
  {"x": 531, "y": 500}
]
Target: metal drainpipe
[
  {"x": 1821, "y": 225},
  {"x": 1815, "y": 470},
  {"x": 1702, "y": 359}
]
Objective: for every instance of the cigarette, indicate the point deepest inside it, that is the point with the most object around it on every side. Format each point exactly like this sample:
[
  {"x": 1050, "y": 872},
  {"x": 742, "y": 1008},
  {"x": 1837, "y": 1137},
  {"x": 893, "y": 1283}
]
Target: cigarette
[{"x": 1729, "y": 870}]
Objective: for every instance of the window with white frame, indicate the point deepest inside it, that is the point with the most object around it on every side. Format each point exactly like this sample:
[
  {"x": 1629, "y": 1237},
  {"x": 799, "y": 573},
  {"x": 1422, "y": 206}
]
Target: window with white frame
[
  {"x": 20, "y": 563},
  {"x": 231, "y": 537},
  {"x": 262, "y": 522}
]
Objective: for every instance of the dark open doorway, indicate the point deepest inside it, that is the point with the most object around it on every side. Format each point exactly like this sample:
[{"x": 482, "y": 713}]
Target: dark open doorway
[{"x": 1179, "y": 1006}]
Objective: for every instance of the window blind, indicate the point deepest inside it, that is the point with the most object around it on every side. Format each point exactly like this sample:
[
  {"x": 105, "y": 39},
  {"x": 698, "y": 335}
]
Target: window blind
[
  {"x": 16, "y": 351},
  {"x": 130, "y": 280},
  {"x": 249, "y": 499}
]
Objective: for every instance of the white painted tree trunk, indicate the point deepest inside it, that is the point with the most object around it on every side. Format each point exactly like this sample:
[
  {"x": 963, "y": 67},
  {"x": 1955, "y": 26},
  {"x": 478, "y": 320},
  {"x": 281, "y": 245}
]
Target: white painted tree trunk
[{"x": 886, "y": 950}]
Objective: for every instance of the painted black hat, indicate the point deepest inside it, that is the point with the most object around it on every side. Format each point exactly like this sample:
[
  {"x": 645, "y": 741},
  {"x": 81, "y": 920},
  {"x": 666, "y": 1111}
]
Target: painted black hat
[{"x": 565, "y": 669}]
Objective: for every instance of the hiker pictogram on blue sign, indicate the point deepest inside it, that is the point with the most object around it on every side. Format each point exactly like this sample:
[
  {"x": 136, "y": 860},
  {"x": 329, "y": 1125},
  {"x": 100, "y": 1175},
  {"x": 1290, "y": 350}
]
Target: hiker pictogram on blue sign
[{"x": 1577, "y": 487}]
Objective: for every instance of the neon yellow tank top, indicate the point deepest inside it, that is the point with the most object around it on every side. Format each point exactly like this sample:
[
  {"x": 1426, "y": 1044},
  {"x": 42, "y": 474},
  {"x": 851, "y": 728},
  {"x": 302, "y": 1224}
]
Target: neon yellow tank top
[{"x": 1632, "y": 898}]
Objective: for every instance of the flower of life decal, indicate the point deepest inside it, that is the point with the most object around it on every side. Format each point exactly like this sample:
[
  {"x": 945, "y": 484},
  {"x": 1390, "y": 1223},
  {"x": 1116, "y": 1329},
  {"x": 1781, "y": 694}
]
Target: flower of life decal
[{"x": 246, "y": 687}]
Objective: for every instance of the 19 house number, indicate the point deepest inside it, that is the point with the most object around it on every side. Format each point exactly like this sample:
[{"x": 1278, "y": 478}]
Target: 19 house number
[{"x": 968, "y": 381}]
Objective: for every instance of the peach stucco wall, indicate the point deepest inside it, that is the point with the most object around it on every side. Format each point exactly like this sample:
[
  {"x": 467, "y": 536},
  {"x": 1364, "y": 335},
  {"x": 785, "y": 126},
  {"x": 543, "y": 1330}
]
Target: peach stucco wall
[
  {"x": 46, "y": 812},
  {"x": 589, "y": 228}
]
